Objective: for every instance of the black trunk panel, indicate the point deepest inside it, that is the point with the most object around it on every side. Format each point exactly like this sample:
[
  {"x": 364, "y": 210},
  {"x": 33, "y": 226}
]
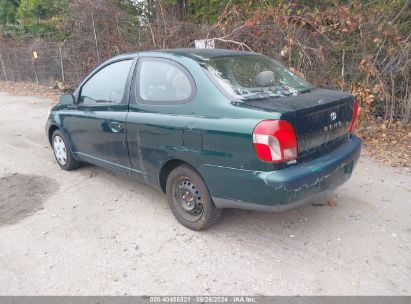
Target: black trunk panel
[
  {"x": 318, "y": 117},
  {"x": 322, "y": 126}
]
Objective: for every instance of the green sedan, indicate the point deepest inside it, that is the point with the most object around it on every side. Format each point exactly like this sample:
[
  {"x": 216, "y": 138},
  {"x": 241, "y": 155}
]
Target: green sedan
[{"x": 211, "y": 128}]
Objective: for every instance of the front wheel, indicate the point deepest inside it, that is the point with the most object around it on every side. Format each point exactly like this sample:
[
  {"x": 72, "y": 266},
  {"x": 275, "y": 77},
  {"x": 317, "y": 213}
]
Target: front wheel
[
  {"x": 189, "y": 199},
  {"x": 62, "y": 152}
]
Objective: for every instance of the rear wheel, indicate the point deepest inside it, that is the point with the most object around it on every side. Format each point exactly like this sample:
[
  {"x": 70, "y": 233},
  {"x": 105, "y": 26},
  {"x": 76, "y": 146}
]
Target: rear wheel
[
  {"x": 62, "y": 152},
  {"x": 189, "y": 199}
]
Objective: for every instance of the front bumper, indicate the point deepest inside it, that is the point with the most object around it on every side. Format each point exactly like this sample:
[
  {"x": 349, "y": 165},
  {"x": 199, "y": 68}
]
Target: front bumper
[{"x": 282, "y": 189}]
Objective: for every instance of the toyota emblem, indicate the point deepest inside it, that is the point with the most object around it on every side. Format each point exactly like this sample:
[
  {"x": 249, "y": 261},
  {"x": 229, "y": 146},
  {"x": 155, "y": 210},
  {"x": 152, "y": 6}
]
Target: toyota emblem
[{"x": 333, "y": 116}]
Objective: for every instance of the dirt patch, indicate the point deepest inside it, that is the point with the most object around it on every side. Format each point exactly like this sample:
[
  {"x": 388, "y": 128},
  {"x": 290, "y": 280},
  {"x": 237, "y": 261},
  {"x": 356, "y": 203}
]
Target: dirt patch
[
  {"x": 30, "y": 89},
  {"x": 389, "y": 143},
  {"x": 22, "y": 195}
]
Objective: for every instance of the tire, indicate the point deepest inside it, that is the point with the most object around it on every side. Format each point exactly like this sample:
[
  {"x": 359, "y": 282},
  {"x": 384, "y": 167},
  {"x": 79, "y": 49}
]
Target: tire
[
  {"x": 189, "y": 199},
  {"x": 62, "y": 152}
]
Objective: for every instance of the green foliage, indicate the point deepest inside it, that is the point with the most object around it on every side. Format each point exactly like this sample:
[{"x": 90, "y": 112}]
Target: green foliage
[
  {"x": 33, "y": 17},
  {"x": 40, "y": 13},
  {"x": 131, "y": 7},
  {"x": 205, "y": 11},
  {"x": 208, "y": 11},
  {"x": 8, "y": 9}
]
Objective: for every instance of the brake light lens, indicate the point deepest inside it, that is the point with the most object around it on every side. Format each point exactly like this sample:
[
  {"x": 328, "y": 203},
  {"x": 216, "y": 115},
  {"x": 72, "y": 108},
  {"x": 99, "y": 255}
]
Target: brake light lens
[
  {"x": 274, "y": 141},
  {"x": 354, "y": 116}
]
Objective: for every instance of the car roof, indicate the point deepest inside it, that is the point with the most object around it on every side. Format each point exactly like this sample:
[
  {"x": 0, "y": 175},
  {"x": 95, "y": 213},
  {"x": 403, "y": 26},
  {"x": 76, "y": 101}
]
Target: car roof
[{"x": 196, "y": 54}]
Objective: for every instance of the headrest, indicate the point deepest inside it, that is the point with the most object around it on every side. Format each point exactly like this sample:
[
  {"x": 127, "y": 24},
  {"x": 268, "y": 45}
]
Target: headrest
[{"x": 264, "y": 79}]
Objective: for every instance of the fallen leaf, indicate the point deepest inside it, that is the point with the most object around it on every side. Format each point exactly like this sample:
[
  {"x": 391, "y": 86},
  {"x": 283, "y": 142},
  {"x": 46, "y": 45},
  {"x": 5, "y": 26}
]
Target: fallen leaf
[{"x": 332, "y": 203}]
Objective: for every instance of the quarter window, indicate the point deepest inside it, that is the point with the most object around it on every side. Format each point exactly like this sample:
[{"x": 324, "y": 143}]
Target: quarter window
[
  {"x": 165, "y": 82},
  {"x": 107, "y": 85}
]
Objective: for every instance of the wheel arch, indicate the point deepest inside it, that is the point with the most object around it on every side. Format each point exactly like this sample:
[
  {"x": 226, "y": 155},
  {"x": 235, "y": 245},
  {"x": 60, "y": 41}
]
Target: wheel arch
[
  {"x": 50, "y": 132},
  {"x": 169, "y": 166},
  {"x": 53, "y": 128}
]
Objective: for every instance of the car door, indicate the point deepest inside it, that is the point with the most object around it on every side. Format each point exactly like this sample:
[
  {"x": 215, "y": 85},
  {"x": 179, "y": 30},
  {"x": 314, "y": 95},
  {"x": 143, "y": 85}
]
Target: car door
[
  {"x": 161, "y": 88},
  {"x": 97, "y": 125}
]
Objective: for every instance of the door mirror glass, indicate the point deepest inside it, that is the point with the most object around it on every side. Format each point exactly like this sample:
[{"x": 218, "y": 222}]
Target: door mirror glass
[{"x": 67, "y": 99}]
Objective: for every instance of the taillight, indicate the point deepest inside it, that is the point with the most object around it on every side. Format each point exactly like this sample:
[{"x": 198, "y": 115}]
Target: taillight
[
  {"x": 354, "y": 116},
  {"x": 275, "y": 141}
]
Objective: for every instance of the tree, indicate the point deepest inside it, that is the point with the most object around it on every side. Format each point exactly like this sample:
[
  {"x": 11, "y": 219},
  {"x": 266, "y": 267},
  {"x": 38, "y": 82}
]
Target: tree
[
  {"x": 41, "y": 16},
  {"x": 8, "y": 10},
  {"x": 174, "y": 9},
  {"x": 131, "y": 7}
]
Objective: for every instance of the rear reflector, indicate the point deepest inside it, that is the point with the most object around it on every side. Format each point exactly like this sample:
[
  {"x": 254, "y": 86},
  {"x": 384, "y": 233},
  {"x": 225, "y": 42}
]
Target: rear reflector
[
  {"x": 275, "y": 141},
  {"x": 354, "y": 116}
]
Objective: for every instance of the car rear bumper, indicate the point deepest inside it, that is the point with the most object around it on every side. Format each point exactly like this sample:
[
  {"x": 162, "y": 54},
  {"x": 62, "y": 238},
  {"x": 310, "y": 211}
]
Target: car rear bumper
[{"x": 282, "y": 189}]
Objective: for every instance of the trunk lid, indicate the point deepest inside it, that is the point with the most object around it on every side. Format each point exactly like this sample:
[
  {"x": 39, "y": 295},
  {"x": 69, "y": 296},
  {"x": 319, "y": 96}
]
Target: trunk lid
[{"x": 320, "y": 118}]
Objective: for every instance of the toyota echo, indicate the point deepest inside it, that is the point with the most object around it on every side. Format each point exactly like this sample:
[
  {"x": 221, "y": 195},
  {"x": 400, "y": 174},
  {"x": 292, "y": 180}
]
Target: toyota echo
[{"x": 212, "y": 129}]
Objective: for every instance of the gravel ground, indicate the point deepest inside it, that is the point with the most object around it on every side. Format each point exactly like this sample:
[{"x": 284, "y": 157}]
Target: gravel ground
[{"x": 94, "y": 232}]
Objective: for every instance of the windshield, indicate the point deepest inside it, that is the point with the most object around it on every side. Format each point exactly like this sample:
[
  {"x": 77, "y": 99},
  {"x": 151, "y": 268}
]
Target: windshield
[{"x": 254, "y": 77}]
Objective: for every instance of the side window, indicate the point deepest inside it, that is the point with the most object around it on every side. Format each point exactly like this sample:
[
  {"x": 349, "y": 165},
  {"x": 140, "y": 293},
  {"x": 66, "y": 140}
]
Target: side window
[
  {"x": 162, "y": 81},
  {"x": 107, "y": 85}
]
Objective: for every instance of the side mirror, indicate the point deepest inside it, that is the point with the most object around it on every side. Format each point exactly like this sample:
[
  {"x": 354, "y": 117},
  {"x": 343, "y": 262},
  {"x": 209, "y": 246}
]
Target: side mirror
[{"x": 67, "y": 99}]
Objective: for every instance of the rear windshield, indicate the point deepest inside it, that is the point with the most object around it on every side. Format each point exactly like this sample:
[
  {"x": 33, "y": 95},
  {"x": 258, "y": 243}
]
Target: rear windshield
[{"x": 254, "y": 77}]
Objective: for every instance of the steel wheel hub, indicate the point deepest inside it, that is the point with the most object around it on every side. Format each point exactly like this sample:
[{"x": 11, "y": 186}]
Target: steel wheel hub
[
  {"x": 60, "y": 150},
  {"x": 189, "y": 198}
]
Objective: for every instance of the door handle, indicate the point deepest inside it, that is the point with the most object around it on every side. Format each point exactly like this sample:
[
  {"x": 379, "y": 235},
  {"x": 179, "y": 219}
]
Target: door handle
[{"x": 115, "y": 126}]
